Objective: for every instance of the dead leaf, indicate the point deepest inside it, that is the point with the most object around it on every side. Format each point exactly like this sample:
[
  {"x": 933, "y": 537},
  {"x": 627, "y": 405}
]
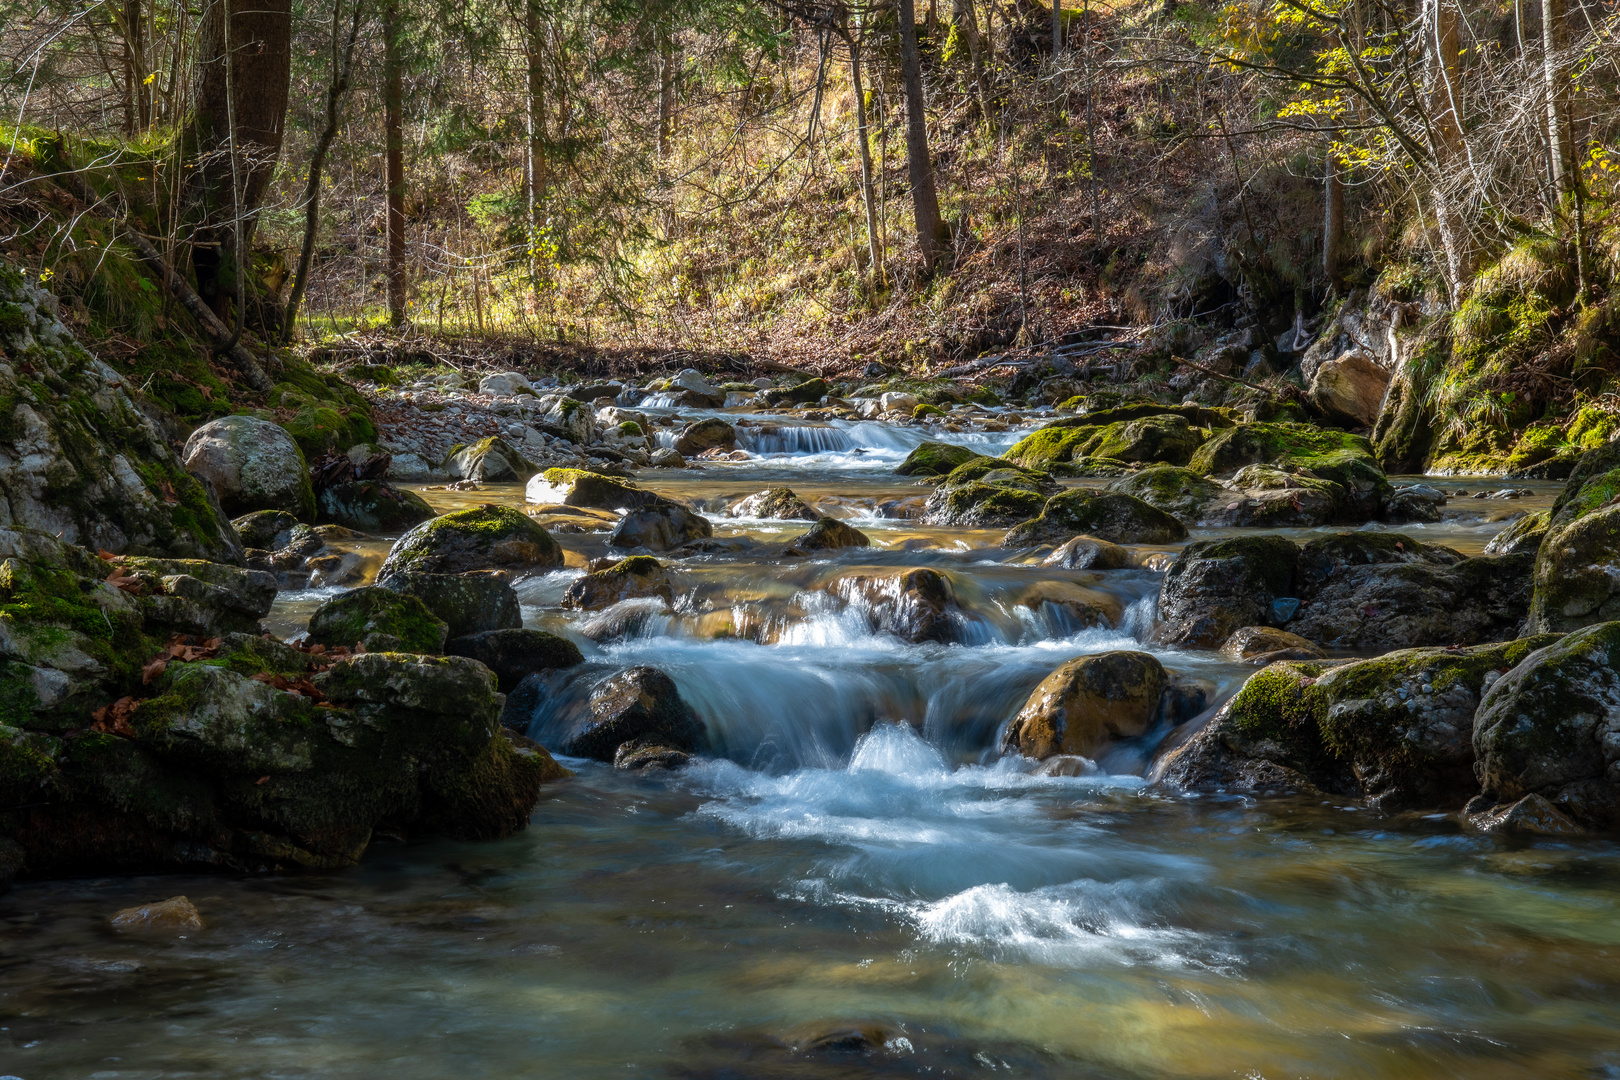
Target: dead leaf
[
  {"x": 114, "y": 719},
  {"x": 261, "y": 780},
  {"x": 153, "y": 669}
]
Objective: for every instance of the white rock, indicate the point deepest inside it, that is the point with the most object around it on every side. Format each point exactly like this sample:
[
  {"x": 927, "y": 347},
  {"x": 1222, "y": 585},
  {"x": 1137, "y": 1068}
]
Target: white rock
[
  {"x": 505, "y": 384},
  {"x": 895, "y": 401},
  {"x": 253, "y": 464}
]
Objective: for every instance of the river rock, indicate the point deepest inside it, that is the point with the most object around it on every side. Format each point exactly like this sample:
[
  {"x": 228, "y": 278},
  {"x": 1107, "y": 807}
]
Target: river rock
[
  {"x": 469, "y": 603},
  {"x": 982, "y": 505},
  {"x": 1111, "y": 516},
  {"x": 479, "y": 538},
  {"x": 897, "y": 401},
  {"x": 1216, "y": 587},
  {"x": 1088, "y": 553},
  {"x": 642, "y": 755},
  {"x": 380, "y": 619},
  {"x": 934, "y": 459},
  {"x": 711, "y": 433},
  {"x": 514, "y": 653},
  {"x": 1351, "y": 389},
  {"x": 369, "y": 506},
  {"x": 806, "y": 393},
  {"x": 1532, "y": 815},
  {"x": 695, "y": 391},
  {"x": 174, "y": 914},
  {"x": 639, "y": 704},
  {"x": 562, "y": 417},
  {"x": 1267, "y": 645},
  {"x": 638, "y": 577},
  {"x": 489, "y": 460},
  {"x": 666, "y": 458},
  {"x": 1577, "y": 574},
  {"x": 829, "y": 534},
  {"x": 1163, "y": 438},
  {"x": 79, "y": 460},
  {"x": 577, "y": 487},
  {"x": 778, "y": 503},
  {"x": 1525, "y": 534},
  {"x": 915, "y": 606},
  {"x": 265, "y": 529},
  {"x": 1343, "y": 459},
  {"x": 505, "y": 384},
  {"x": 1551, "y": 726},
  {"x": 1088, "y": 703},
  {"x": 252, "y": 464},
  {"x": 660, "y": 527}
]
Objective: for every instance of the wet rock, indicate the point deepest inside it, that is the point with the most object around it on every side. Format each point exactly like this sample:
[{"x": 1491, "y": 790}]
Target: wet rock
[
  {"x": 704, "y": 435},
  {"x": 265, "y": 529},
  {"x": 70, "y": 426},
  {"x": 1069, "y": 606},
  {"x": 638, "y": 577},
  {"x": 1410, "y": 504},
  {"x": 1180, "y": 492},
  {"x": 577, "y": 487},
  {"x": 1551, "y": 726},
  {"x": 640, "y": 704},
  {"x": 1351, "y": 388},
  {"x": 695, "y": 391},
  {"x": 915, "y": 606},
  {"x": 378, "y": 615},
  {"x": 1111, "y": 516},
  {"x": 370, "y": 506},
  {"x": 190, "y": 596},
  {"x": 1577, "y": 574},
  {"x": 252, "y": 464},
  {"x": 934, "y": 459},
  {"x": 1532, "y": 815},
  {"x": 479, "y": 538},
  {"x": 1088, "y": 553},
  {"x": 666, "y": 458},
  {"x": 1088, "y": 703},
  {"x": 829, "y": 534},
  {"x": 1340, "y": 458},
  {"x": 1525, "y": 534},
  {"x": 1397, "y": 605},
  {"x": 778, "y": 503},
  {"x": 1216, "y": 587},
  {"x": 489, "y": 460},
  {"x": 514, "y": 653},
  {"x": 1267, "y": 645},
  {"x": 642, "y": 755},
  {"x": 982, "y": 505},
  {"x": 174, "y": 914},
  {"x": 660, "y": 527},
  {"x": 467, "y": 603}
]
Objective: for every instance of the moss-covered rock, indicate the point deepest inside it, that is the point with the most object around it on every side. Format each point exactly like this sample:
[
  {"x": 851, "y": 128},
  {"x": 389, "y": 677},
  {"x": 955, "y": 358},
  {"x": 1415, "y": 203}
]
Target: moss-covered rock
[
  {"x": 514, "y": 653},
  {"x": 252, "y": 464},
  {"x": 79, "y": 460},
  {"x": 380, "y": 619},
  {"x": 370, "y": 506},
  {"x": 807, "y": 392},
  {"x": 981, "y": 505},
  {"x": 778, "y": 503},
  {"x": 479, "y": 538},
  {"x": 700, "y": 436},
  {"x": 1549, "y": 727},
  {"x": 1524, "y": 534},
  {"x": 934, "y": 459},
  {"x": 1111, "y": 516},
  {"x": 638, "y": 577},
  {"x": 578, "y": 487},
  {"x": 1180, "y": 492},
  {"x": 1344, "y": 459},
  {"x": 1088, "y": 703},
  {"x": 266, "y": 530},
  {"x": 490, "y": 459},
  {"x": 830, "y": 534},
  {"x": 1577, "y": 573},
  {"x": 1215, "y": 588},
  {"x": 1163, "y": 438},
  {"x": 468, "y": 603}
]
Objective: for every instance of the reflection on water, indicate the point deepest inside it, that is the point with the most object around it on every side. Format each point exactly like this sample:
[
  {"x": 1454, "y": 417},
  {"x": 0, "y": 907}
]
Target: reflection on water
[{"x": 856, "y": 884}]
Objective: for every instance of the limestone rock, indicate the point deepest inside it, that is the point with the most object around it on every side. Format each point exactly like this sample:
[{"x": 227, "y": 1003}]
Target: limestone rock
[
  {"x": 489, "y": 460},
  {"x": 253, "y": 464},
  {"x": 505, "y": 384},
  {"x": 1087, "y": 703},
  {"x": 696, "y": 391},
  {"x": 565, "y": 418},
  {"x": 1351, "y": 388},
  {"x": 479, "y": 538}
]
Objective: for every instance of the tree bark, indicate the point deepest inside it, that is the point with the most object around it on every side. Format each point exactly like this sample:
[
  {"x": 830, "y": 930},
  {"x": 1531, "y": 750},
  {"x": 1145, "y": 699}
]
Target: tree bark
[
  {"x": 1445, "y": 59},
  {"x": 1057, "y": 27},
  {"x": 241, "y": 110},
  {"x": 342, "y": 69},
  {"x": 919, "y": 167},
  {"x": 1557, "y": 92},
  {"x": 1333, "y": 219},
  {"x": 666, "y": 122},
  {"x": 394, "y": 163},
  {"x": 535, "y": 175},
  {"x": 868, "y": 194}
]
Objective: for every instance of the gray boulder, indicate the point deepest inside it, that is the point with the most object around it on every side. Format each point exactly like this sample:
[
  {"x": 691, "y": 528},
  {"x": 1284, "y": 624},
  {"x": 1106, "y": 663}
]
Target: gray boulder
[
  {"x": 638, "y": 704},
  {"x": 253, "y": 464}
]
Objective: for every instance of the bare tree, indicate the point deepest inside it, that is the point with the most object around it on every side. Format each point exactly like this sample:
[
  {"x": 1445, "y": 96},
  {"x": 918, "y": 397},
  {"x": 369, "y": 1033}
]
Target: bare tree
[
  {"x": 394, "y": 134},
  {"x": 931, "y": 233}
]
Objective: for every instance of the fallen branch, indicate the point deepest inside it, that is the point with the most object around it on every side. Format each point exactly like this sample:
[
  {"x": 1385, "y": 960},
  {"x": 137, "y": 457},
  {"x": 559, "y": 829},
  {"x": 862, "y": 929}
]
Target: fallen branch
[
  {"x": 1229, "y": 378},
  {"x": 220, "y": 335}
]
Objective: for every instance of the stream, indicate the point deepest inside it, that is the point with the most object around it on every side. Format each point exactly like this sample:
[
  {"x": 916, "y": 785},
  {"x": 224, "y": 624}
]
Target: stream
[{"x": 857, "y": 883}]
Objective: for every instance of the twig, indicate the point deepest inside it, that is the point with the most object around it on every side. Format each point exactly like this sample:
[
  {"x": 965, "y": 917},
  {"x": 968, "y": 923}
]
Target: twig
[{"x": 1229, "y": 378}]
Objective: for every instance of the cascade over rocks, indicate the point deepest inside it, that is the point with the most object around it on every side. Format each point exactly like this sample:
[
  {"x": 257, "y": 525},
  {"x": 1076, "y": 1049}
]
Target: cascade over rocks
[
  {"x": 78, "y": 459},
  {"x": 639, "y": 704},
  {"x": 638, "y": 577},
  {"x": 711, "y": 433},
  {"x": 1354, "y": 590},
  {"x": 915, "y": 606},
  {"x": 252, "y": 464},
  {"x": 1088, "y": 703},
  {"x": 479, "y": 538}
]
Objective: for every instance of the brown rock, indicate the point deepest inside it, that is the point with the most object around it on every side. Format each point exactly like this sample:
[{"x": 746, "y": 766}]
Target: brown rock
[
  {"x": 175, "y": 913},
  {"x": 1087, "y": 703},
  {"x": 1531, "y": 814},
  {"x": 1351, "y": 387},
  {"x": 1089, "y": 553},
  {"x": 1265, "y": 644}
]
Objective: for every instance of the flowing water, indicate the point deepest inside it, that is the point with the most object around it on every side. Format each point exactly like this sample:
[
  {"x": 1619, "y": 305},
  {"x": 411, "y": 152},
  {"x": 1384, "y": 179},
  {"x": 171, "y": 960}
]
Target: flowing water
[{"x": 856, "y": 884}]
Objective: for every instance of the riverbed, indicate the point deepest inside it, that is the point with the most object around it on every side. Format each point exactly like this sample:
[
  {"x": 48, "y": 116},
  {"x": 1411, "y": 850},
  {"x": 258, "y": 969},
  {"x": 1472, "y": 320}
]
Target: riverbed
[{"x": 858, "y": 883}]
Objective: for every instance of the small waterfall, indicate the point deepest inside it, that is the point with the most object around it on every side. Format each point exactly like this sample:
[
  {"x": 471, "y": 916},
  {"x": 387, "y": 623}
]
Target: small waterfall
[{"x": 779, "y": 439}]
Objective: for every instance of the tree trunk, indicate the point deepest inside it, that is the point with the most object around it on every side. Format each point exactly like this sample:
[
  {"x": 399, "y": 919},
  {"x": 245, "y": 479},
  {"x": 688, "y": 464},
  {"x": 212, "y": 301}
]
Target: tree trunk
[
  {"x": 1333, "y": 219},
  {"x": 976, "y": 56},
  {"x": 394, "y": 136},
  {"x": 1057, "y": 27},
  {"x": 924, "y": 200},
  {"x": 868, "y": 195},
  {"x": 666, "y": 122},
  {"x": 1444, "y": 101},
  {"x": 342, "y": 69},
  {"x": 1557, "y": 92},
  {"x": 241, "y": 108},
  {"x": 535, "y": 175}
]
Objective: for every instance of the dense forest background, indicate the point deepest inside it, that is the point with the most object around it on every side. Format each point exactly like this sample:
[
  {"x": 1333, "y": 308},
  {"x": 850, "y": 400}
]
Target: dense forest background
[{"x": 1176, "y": 198}]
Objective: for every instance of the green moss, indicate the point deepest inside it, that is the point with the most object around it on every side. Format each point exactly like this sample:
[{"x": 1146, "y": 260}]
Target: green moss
[
  {"x": 924, "y": 411},
  {"x": 630, "y": 429},
  {"x": 350, "y": 618},
  {"x": 934, "y": 459},
  {"x": 637, "y": 565},
  {"x": 27, "y": 762},
  {"x": 1281, "y": 703},
  {"x": 1592, "y": 427},
  {"x": 1048, "y": 446}
]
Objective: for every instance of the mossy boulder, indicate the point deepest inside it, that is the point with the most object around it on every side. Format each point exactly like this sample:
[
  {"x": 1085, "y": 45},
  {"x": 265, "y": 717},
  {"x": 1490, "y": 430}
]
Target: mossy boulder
[
  {"x": 1111, "y": 516},
  {"x": 981, "y": 505},
  {"x": 659, "y": 526},
  {"x": 252, "y": 464},
  {"x": 579, "y": 487},
  {"x": 1216, "y": 587},
  {"x": 564, "y": 417},
  {"x": 1524, "y": 534},
  {"x": 79, "y": 460},
  {"x": 1341, "y": 458},
  {"x": 778, "y": 503},
  {"x": 265, "y": 530},
  {"x": 1000, "y": 472},
  {"x": 1163, "y": 438},
  {"x": 830, "y": 534},
  {"x": 1179, "y": 492},
  {"x": 467, "y": 603},
  {"x": 1577, "y": 571},
  {"x": 638, "y": 704},
  {"x": 515, "y": 653},
  {"x": 805, "y": 393},
  {"x": 638, "y": 577},
  {"x": 700, "y": 436},
  {"x": 1087, "y": 704},
  {"x": 369, "y": 506},
  {"x": 1549, "y": 725},
  {"x": 380, "y": 619},
  {"x": 491, "y": 460},
  {"x": 479, "y": 538},
  {"x": 934, "y": 459}
]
